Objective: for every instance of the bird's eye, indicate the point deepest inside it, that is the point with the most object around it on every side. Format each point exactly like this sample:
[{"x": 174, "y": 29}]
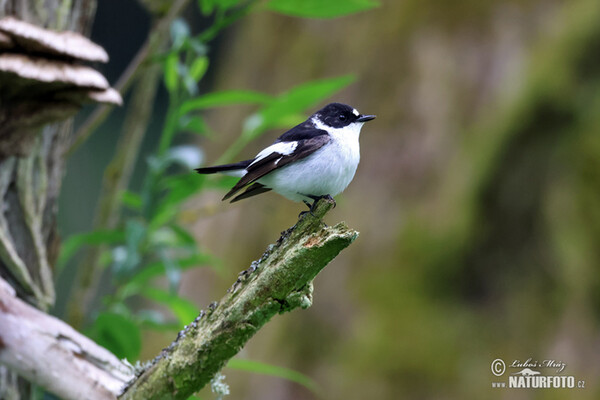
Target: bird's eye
[{"x": 342, "y": 117}]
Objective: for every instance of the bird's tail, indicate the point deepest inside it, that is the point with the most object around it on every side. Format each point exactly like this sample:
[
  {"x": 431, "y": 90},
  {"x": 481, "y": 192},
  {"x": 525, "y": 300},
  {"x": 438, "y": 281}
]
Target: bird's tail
[{"x": 224, "y": 168}]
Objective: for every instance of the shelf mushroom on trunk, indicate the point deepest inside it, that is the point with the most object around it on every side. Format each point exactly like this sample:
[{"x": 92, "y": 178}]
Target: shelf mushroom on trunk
[{"x": 43, "y": 79}]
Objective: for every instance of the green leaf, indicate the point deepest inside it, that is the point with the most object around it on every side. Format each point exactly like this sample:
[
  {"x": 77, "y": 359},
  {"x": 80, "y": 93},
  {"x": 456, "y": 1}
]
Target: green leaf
[
  {"x": 163, "y": 215},
  {"x": 320, "y": 8},
  {"x": 190, "y": 84},
  {"x": 273, "y": 370},
  {"x": 198, "y": 68},
  {"x": 296, "y": 101},
  {"x": 308, "y": 94},
  {"x": 118, "y": 334},
  {"x": 183, "y": 235},
  {"x": 171, "y": 72},
  {"x": 131, "y": 200},
  {"x": 222, "y": 182},
  {"x": 127, "y": 258},
  {"x": 179, "y": 187},
  {"x": 156, "y": 269},
  {"x": 75, "y": 242},
  {"x": 224, "y": 98},
  {"x": 197, "y": 46},
  {"x": 154, "y": 319},
  {"x": 284, "y": 108},
  {"x": 226, "y": 4},
  {"x": 162, "y": 237},
  {"x": 183, "y": 309},
  {"x": 206, "y": 6},
  {"x": 172, "y": 271},
  {"x": 185, "y": 155},
  {"x": 193, "y": 123}
]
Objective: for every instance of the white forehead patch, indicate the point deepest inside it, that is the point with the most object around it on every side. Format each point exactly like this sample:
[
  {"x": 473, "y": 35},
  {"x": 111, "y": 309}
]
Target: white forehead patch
[{"x": 355, "y": 112}]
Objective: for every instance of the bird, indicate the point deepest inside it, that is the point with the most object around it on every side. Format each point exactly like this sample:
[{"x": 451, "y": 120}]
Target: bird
[{"x": 315, "y": 159}]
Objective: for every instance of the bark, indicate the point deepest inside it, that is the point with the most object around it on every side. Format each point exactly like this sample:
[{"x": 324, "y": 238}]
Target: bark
[
  {"x": 279, "y": 281},
  {"x": 47, "y": 351},
  {"x": 30, "y": 185}
]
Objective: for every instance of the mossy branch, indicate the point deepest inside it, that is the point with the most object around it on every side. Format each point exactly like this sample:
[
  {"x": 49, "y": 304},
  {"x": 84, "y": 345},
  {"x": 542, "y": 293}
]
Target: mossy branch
[{"x": 279, "y": 281}]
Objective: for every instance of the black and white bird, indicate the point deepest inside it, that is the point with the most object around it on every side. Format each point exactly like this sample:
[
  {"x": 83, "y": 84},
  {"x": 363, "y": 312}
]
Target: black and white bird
[{"x": 315, "y": 159}]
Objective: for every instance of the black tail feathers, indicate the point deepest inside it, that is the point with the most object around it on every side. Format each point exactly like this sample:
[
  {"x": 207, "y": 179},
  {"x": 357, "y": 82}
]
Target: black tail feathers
[{"x": 224, "y": 167}]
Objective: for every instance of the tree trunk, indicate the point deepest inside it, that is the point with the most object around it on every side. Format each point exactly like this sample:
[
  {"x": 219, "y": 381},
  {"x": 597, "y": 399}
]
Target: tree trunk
[{"x": 30, "y": 185}]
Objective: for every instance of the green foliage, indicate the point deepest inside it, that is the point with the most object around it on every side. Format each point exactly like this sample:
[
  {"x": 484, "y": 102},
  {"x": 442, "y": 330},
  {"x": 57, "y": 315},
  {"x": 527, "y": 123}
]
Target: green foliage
[
  {"x": 224, "y": 98},
  {"x": 75, "y": 242},
  {"x": 207, "y": 7},
  {"x": 152, "y": 245},
  {"x": 273, "y": 370},
  {"x": 320, "y": 8},
  {"x": 290, "y": 104},
  {"x": 117, "y": 333},
  {"x": 184, "y": 310},
  {"x": 171, "y": 64},
  {"x": 285, "y": 110}
]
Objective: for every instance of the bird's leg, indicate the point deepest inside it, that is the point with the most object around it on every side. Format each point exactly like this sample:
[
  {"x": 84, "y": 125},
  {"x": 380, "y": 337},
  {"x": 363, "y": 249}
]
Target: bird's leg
[
  {"x": 310, "y": 209},
  {"x": 315, "y": 199}
]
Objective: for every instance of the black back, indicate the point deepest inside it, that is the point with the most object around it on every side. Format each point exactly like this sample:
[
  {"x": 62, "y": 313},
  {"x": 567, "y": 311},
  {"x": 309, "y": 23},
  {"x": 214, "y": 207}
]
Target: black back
[{"x": 305, "y": 130}]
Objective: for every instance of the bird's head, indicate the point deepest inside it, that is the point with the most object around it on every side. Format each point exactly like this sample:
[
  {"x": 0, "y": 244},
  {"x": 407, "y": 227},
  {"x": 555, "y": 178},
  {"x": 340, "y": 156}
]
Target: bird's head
[{"x": 338, "y": 115}]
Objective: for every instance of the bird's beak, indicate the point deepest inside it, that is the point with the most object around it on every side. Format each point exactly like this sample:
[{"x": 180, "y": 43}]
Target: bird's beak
[{"x": 365, "y": 118}]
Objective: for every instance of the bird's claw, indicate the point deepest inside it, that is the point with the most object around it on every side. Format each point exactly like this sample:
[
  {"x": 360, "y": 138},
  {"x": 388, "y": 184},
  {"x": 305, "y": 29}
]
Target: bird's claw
[
  {"x": 328, "y": 197},
  {"x": 316, "y": 199},
  {"x": 311, "y": 207}
]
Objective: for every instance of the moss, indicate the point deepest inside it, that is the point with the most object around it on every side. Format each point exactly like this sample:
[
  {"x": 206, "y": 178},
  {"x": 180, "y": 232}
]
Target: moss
[{"x": 279, "y": 282}]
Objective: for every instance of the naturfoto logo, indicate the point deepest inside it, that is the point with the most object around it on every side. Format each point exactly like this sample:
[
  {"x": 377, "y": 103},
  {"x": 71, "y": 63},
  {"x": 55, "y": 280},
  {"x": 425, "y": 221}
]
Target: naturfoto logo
[{"x": 534, "y": 374}]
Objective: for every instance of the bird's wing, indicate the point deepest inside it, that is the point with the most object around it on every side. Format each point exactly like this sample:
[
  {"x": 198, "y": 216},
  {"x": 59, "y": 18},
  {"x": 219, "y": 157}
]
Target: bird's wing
[
  {"x": 252, "y": 190},
  {"x": 279, "y": 154}
]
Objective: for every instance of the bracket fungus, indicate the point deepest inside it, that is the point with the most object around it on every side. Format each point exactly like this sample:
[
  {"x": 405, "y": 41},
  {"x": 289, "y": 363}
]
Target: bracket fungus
[{"x": 43, "y": 79}]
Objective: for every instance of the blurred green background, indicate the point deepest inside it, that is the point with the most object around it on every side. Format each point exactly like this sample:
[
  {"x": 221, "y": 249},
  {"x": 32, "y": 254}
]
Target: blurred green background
[{"x": 477, "y": 198}]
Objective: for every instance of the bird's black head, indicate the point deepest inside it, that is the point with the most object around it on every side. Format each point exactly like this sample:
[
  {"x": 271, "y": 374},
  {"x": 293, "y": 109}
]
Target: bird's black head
[{"x": 338, "y": 115}]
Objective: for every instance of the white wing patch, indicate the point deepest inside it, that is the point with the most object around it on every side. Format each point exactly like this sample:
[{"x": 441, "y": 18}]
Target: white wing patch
[{"x": 283, "y": 148}]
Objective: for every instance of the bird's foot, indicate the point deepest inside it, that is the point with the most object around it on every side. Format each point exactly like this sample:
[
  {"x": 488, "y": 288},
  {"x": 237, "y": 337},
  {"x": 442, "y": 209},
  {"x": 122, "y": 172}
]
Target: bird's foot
[
  {"x": 328, "y": 197},
  {"x": 316, "y": 199},
  {"x": 311, "y": 207},
  {"x": 303, "y": 213}
]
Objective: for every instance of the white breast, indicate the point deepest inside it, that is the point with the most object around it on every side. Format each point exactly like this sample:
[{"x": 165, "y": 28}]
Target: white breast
[{"x": 327, "y": 171}]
